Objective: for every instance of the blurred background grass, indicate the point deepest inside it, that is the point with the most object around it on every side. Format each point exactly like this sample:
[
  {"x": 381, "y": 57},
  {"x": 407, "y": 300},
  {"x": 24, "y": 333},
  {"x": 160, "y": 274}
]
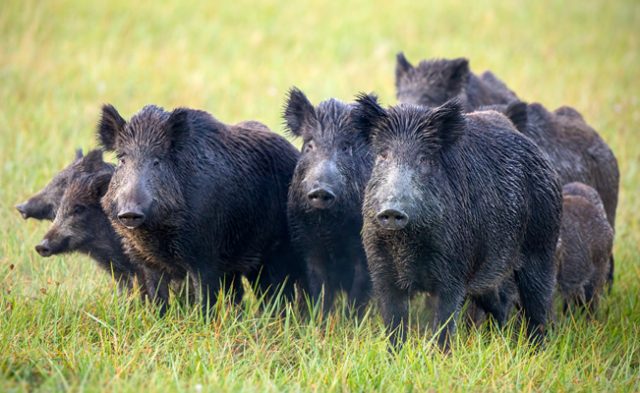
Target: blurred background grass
[{"x": 60, "y": 60}]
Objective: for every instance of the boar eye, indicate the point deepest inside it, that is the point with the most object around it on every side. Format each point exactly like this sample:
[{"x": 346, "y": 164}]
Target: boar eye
[
  {"x": 346, "y": 148},
  {"x": 156, "y": 162},
  {"x": 422, "y": 159},
  {"x": 121, "y": 159},
  {"x": 384, "y": 155},
  {"x": 77, "y": 209}
]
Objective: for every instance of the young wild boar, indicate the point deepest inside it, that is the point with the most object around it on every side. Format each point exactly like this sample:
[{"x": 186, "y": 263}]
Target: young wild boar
[
  {"x": 325, "y": 198},
  {"x": 194, "y": 196},
  {"x": 575, "y": 150},
  {"x": 433, "y": 82},
  {"x": 44, "y": 204},
  {"x": 81, "y": 225},
  {"x": 584, "y": 247},
  {"x": 456, "y": 205}
]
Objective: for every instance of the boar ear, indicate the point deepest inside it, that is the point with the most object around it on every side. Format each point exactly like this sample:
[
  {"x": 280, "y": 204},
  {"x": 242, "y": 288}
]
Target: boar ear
[
  {"x": 177, "y": 126},
  {"x": 78, "y": 153},
  {"x": 459, "y": 71},
  {"x": 109, "y": 127},
  {"x": 448, "y": 122},
  {"x": 517, "y": 113},
  {"x": 100, "y": 183},
  {"x": 367, "y": 114},
  {"x": 298, "y": 112},
  {"x": 93, "y": 162},
  {"x": 402, "y": 66}
]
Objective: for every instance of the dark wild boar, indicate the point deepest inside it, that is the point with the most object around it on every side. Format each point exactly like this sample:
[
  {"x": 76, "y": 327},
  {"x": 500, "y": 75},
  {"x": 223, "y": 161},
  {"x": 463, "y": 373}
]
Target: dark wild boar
[
  {"x": 193, "y": 196},
  {"x": 584, "y": 247},
  {"x": 44, "y": 204},
  {"x": 81, "y": 225},
  {"x": 456, "y": 205},
  {"x": 433, "y": 82},
  {"x": 575, "y": 150},
  {"x": 325, "y": 198}
]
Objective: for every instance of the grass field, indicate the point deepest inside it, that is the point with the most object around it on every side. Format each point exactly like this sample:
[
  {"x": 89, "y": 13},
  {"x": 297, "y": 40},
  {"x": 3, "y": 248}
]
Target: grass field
[{"x": 62, "y": 325}]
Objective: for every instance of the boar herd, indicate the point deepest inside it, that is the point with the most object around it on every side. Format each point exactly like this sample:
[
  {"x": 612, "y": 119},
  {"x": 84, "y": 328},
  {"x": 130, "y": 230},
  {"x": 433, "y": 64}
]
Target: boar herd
[{"x": 460, "y": 190}]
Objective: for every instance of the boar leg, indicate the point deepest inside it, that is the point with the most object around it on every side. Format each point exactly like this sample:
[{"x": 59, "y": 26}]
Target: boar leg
[
  {"x": 592, "y": 298},
  {"x": 492, "y": 303},
  {"x": 394, "y": 307},
  {"x": 393, "y": 301},
  {"x": 124, "y": 282},
  {"x": 233, "y": 287},
  {"x": 449, "y": 303},
  {"x": 319, "y": 281},
  {"x": 536, "y": 281},
  {"x": 157, "y": 288},
  {"x": 361, "y": 286},
  {"x": 610, "y": 273},
  {"x": 206, "y": 284}
]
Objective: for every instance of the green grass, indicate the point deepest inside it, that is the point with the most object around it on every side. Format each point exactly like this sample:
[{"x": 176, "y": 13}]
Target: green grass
[{"x": 62, "y": 327}]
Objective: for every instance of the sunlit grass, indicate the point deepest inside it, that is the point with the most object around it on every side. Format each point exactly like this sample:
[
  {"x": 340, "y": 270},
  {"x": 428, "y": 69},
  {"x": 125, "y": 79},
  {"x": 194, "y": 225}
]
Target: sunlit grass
[{"x": 63, "y": 326}]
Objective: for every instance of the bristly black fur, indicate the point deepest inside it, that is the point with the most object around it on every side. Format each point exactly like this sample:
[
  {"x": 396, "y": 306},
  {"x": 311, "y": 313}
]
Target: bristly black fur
[
  {"x": 402, "y": 66},
  {"x": 298, "y": 112},
  {"x": 438, "y": 127},
  {"x": 584, "y": 251},
  {"x": 110, "y": 124},
  {"x": 517, "y": 113},
  {"x": 458, "y": 221},
  {"x": 367, "y": 114},
  {"x": 88, "y": 231},
  {"x": 205, "y": 190},
  {"x": 335, "y": 159},
  {"x": 44, "y": 204},
  {"x": 433, "y": 82}
]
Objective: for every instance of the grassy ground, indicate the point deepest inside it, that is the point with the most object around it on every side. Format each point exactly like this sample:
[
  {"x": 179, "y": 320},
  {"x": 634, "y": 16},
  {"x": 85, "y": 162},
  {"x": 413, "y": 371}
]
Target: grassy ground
[{"x": 62, "y": 327}]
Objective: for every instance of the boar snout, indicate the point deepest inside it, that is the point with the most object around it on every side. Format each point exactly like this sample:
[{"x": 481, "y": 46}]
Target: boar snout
[
  {"x": 321, "y": 198},
  {"x": 53, "y": 243},
  {"x": 44, "y": 248},
  {"x": 323, "y": 182},
  {"x": 36, "y": 208},
  {"x": 22, "y": 209},
  {"x": 392, "y": 219},
  {"x": 132, "y": 217},
  {"x": 134, "y": 203}
]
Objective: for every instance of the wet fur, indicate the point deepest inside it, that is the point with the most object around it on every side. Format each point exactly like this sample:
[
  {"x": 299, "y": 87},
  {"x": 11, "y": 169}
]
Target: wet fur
[
  {"x": 487, "y": 210},
  {"x": 584, "y": 247},
  {"x": 219, "y": 199},
  {"x": 433, "y": 82},
  {"x": 329, "y": 240}
]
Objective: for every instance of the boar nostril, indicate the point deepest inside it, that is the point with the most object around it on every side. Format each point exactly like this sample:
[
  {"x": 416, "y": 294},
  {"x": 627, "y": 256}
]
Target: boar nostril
[
  {"x": 22, "y": 208},
  {"x": 392, "y": 219},
  {"x": 321, "y": 198},
  {"x": 131, "y": 219},
  {"x": 43, "y": 249}
]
